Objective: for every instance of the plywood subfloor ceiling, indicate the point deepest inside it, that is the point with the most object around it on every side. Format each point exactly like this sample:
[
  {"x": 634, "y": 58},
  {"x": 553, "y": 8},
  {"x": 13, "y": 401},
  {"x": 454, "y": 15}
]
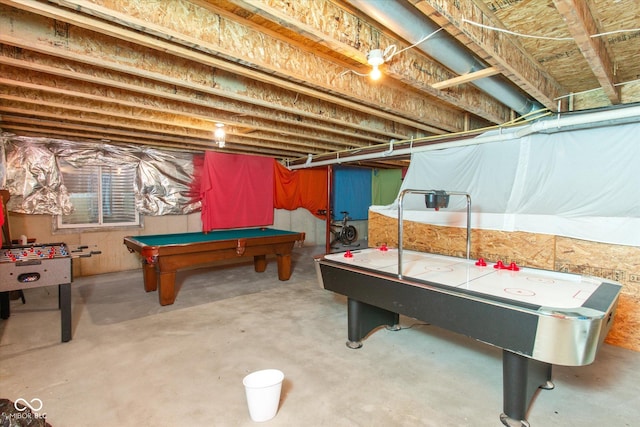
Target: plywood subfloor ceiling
[{"x": 288, "y": 78}]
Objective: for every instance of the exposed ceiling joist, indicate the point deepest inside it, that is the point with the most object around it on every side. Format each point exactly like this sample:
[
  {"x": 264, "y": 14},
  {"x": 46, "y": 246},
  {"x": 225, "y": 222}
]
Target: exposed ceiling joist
[
  {"x": 585, "y": 32},
  {"x": 289, "y": 79}
]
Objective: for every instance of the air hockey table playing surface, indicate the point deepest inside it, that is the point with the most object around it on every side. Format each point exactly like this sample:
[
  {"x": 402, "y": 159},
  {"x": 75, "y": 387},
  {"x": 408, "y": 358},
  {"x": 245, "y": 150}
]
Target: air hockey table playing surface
[{"x": 527, "y": 285}]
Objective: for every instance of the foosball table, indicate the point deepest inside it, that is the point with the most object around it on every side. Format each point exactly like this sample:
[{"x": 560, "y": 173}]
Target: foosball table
[{"x": 39, "y": 265}]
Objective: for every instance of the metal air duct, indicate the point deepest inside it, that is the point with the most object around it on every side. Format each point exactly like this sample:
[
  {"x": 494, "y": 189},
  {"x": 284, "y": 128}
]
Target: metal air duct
[{"x": 406, "y": 21}]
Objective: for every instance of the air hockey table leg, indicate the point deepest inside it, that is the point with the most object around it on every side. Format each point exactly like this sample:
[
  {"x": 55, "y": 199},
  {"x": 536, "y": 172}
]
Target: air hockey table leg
[
  {"x": 364, "y": 318},
  {"x": 522, "y": 377}
]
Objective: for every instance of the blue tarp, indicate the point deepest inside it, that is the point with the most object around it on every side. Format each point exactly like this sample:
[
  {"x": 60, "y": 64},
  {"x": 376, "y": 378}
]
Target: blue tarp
[{"x": 351, "y": 192}]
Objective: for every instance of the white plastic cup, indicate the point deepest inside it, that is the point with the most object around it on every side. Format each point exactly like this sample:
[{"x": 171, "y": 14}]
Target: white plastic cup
[{"x": 263, "y": 393}]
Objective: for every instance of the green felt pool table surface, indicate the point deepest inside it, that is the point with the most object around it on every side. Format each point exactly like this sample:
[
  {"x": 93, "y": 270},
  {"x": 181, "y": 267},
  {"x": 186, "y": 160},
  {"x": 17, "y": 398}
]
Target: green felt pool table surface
[{"x": 217, "y": 235}]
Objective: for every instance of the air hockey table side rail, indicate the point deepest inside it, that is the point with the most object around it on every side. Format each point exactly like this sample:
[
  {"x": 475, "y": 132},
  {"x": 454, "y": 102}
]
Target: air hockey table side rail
[{"x": 567, "y": 334}]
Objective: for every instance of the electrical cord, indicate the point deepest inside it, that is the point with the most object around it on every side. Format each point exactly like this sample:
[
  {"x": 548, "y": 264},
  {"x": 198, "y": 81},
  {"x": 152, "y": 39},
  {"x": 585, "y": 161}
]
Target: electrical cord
[
  {"x": 502, "y": 30},
  {"x": 393, "y": 46},
  {"x": 414, "y": 324}
]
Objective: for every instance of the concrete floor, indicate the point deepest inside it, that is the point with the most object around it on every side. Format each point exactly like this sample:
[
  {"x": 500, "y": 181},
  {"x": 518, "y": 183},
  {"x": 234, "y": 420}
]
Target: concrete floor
[{"x": 134, "y": 363}]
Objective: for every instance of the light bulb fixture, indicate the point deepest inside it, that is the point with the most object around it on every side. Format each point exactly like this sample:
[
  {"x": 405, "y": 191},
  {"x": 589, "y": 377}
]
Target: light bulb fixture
[
  {"x": 375, "y": 58},
  {"x": 219, "y": 135}
]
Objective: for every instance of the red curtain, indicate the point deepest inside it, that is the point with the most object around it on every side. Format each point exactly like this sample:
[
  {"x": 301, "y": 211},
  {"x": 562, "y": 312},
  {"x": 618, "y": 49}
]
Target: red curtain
[
  {"x": 306, "y": 188},
  {"x": 236, "y": 191}
]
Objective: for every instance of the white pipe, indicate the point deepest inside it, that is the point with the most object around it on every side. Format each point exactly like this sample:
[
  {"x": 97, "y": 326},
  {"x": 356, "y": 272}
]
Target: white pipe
[
  {"x": 606, "y": 117},
  {"x": 603, "y": 118},
  {"x": 406, "y": 151}
]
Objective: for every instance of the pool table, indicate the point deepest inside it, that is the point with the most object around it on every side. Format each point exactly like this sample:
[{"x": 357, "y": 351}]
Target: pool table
[{"x": 164, "y": 254}]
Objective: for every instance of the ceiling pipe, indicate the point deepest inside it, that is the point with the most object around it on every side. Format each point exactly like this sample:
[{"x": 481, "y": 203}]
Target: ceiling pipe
[
  {"x": 558, "y": 123},
  {"x": 406, "y": 21}
]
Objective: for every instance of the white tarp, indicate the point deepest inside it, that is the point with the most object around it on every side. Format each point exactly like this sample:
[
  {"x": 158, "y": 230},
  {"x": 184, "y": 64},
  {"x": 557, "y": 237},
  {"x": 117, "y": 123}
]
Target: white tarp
[{"x": 583, "y": 184}]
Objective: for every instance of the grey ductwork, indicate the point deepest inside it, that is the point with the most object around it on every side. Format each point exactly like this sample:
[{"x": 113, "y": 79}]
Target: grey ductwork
[{"x": 406, "y": 21}]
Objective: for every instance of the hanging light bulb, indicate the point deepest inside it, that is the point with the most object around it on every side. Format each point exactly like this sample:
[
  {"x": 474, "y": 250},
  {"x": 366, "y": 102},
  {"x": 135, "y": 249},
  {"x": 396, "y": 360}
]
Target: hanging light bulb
[
  {"x": 375, "y": 73},
  {"x": 375, "y": 58},
  {"x": 219, "y": 135}
]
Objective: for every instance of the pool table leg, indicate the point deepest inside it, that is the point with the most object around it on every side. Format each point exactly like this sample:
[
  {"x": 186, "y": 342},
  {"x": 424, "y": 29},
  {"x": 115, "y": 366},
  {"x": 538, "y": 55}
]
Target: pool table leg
[
  {"x": 260, "y": 263},
  {"x": 167, "y": 292},
  {"x": 149, "y": 275},
  {"x": 284, "y": 266}
]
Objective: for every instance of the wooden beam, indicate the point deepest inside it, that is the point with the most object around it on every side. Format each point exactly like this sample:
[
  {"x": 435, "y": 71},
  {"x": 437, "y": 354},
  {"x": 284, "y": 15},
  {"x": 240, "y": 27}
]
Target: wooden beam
[
  {"x": 347, "y": 126},
  {"x": 103, "y": 118},
  {"x": 69, "y": 102},
  {"x": 101, "y": 132},
  {"x": 467, "y": 78},
  {"x": 344, "y": 32},
  {"x": 176, "y": 103},
  {"x": 582, "y": 26},
  {"x": 212, "y": 40}
]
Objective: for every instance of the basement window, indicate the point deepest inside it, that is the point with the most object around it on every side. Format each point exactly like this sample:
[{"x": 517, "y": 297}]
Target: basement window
[{"x": 101, "y": 196}]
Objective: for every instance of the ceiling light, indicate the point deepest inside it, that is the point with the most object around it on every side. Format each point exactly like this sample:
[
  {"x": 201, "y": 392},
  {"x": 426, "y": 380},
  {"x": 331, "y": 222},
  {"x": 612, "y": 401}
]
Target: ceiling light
[
  {"x": 219, "y": 135},
  {"x": 375, "y": 58},
  {"x": 375, "y": 73}
]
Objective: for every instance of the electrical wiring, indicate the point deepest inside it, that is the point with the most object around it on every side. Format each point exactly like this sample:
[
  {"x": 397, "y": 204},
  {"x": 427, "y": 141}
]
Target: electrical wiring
[
  {"x": 422, "y": 40},
  {"x": 402, "y": 328},
  {"x": 502, "y": 30},
  {"x": 595, "y": 89}
]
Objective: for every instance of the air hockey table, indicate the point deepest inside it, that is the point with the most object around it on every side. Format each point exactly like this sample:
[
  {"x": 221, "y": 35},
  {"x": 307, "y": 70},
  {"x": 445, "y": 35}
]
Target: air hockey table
[{"x": 538, "y": 318}]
